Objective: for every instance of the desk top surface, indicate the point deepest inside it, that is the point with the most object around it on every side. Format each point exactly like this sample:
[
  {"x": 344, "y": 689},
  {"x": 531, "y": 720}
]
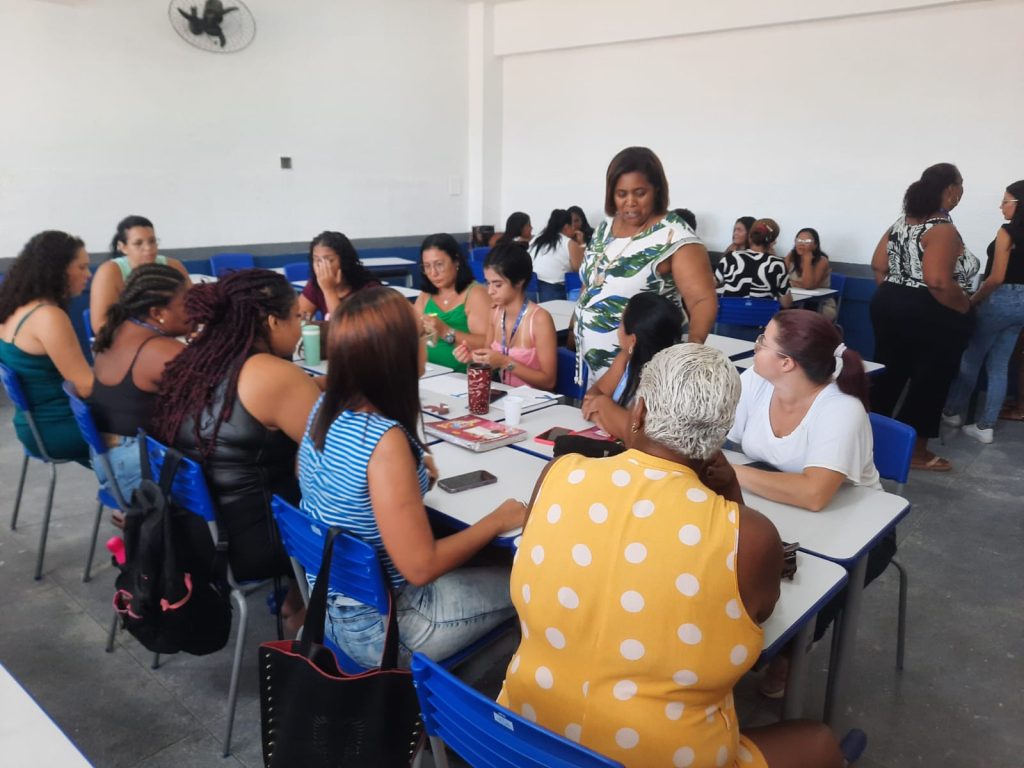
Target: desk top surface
[{"x": 27, "y": 734}]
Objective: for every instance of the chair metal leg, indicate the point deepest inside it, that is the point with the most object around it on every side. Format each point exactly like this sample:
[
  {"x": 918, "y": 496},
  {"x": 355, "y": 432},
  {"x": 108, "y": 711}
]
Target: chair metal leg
[
  {"x": 92, "y": 545},
  {"x": 901, "y": 620},
  {"x": 110, "y": 635},
  {"x": 437, "y": 750},
  {"x": 236, "y": 666},
  {"x": 156, "y": 661},
  {"x": 46, "y": 522},
  {"x": 21, "y": 487}
]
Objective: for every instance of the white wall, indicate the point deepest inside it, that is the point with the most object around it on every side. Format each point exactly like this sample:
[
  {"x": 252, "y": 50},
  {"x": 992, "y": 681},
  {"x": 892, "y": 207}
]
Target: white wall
[
  {"x": 107, "y": 112},
  {"x": 820, "y": 123}
]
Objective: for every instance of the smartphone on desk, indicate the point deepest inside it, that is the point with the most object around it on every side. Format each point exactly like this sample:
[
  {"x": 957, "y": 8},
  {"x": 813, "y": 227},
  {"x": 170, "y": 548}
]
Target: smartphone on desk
[
  {"x": 549, "y": 436},
  {"x": 464, "y": 482},
  {"x": 497, "y": 394}
]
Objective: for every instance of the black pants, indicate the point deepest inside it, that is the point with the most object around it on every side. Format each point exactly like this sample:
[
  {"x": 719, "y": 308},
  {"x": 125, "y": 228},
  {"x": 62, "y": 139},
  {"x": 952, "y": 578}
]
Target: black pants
[{"x": 920, "y": 342}]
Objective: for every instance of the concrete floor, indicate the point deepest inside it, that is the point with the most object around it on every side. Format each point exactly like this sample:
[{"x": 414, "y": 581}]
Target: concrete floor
[{"x": 957, "y": 703}]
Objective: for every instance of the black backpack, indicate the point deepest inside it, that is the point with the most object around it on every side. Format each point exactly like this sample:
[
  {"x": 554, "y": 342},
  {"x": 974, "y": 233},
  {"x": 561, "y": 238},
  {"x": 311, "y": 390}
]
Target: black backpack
[{"x": 172, "y": 592}]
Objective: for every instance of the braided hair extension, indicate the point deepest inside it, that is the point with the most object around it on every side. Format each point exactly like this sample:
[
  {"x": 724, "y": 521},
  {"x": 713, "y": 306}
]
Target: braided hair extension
[
  {"x": 40, "y": 272},
  {"x": 148, "y": 286},
  {"x": 232, "y": 317}
]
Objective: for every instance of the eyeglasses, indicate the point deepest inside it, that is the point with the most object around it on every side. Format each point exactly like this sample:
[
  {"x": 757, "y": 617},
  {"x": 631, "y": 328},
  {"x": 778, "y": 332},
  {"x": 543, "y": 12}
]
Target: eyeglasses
[
  {"x": 805, "y": 241},
  {"x": 436, "y": 266},
  {"x": 760, "y": 342},
  {"x": 1008, "y": 201}
]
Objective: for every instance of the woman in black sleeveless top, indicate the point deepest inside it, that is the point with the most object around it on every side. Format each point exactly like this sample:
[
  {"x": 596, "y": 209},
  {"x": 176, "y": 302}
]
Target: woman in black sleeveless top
[
  {"x": 131, "y": 350},
  {"x": 235, "y": 402},
  {"x": 1000, "y": 303}
]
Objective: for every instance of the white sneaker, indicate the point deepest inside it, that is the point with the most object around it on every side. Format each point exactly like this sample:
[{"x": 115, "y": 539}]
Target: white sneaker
[
  {"x": 979, "y": 434},
  {"x": 952, "y": 419}
]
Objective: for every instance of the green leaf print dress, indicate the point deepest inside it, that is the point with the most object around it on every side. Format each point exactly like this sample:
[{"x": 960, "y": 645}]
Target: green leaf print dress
[{"x": 615, "y": 269}]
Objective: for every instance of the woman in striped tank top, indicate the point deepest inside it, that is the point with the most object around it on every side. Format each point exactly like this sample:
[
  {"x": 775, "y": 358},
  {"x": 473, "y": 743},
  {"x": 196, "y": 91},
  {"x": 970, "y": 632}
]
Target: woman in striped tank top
[{"x": 362, "y": 466}]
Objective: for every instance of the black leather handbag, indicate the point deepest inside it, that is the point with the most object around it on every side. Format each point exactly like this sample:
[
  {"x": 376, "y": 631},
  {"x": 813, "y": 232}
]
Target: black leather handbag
[{"x": 315, "y": 715}]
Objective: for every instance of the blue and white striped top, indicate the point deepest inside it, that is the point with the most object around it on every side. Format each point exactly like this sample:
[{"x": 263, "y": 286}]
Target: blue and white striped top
[{"x": 334, "y": 485}]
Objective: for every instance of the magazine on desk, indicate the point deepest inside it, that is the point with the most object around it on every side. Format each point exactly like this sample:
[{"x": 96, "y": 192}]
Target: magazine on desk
[{"x": 475, "y": 433}]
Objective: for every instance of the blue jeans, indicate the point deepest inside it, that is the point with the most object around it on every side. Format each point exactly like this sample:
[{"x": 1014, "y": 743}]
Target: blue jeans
[
  {"x": 437, "y": 619},
  {"x": 999, "y": 322},
  {"x": 550, "y": 291},
  {"x": 124, "y": 461}
]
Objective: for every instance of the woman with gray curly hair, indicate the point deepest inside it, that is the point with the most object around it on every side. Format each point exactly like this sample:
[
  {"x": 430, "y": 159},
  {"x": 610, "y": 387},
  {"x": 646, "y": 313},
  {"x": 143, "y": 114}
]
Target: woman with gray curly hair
[{"x": 641, "y": 582}]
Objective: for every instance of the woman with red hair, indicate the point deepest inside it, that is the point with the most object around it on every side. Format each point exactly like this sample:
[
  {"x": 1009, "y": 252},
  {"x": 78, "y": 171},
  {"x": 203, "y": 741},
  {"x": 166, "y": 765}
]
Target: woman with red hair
[{"x": 803, "y": 410}]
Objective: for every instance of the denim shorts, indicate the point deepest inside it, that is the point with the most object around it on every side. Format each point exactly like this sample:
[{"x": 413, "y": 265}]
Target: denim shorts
[
  {"x": 437, "y": 619},
  {"x": 125, "y": 464}
]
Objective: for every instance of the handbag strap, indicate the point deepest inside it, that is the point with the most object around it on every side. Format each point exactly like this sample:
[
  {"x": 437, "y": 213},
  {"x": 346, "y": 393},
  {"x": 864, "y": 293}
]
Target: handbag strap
[{"x": 316, "y": 610}]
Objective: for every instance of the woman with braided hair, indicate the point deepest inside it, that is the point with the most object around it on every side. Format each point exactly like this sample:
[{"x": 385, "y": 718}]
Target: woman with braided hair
[
  {"x": 235, "y": 402},
  {"x": 130, "y": 352}
]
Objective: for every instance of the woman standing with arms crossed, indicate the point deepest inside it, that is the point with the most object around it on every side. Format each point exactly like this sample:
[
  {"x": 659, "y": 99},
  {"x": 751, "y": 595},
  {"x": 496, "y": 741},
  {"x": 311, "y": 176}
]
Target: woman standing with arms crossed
[
  {"x": 639, "y": 247},
  {"x": 1000, "y": 303},
  {"x": 921, "y": 310}
]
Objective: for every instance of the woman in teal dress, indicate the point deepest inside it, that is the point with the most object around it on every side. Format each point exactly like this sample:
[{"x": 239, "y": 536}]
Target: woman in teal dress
[
  {"x": 453, "y": 309},
  {"x": 38, "y": 342}
]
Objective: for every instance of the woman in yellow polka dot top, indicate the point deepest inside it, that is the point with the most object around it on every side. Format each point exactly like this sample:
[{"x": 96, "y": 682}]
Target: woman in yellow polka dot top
[{"x": 641, "y": 580}]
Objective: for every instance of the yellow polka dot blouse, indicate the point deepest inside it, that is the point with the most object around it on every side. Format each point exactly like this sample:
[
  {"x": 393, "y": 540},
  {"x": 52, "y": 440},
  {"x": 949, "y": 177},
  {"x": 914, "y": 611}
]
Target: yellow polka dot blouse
[{"x": 634, "y": 632}]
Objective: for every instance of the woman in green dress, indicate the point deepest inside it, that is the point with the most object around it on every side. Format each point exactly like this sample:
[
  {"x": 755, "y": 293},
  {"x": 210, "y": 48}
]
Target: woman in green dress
[
  {"x": 453, "y": 309},
  {"x": 38, "y": 342}
]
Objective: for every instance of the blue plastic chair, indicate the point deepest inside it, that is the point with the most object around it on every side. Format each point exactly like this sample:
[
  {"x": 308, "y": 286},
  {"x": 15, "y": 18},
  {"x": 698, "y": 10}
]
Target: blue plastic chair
[
  {"x": 565, "y": 381},
  {"x": 573, "y": 285},
  {"x": 478, "y": 271},
  {"x": 189, "y": 491},
  {"x": 745, "y": 312},
  {"x": 479, "y": 253},
  {"x": 297, "y": 271},
  {"x": 17, "y": 395},
  {"x": 229, "y": 262},
  {"x": 894, "y": 448},
  {"x": 484, "y": 733},
  {"x": 355, "y": 572},
  {"x": 533, "y": 288},
  {"x": 114, "y": 499},
  {"x": 837, "y": 283}
]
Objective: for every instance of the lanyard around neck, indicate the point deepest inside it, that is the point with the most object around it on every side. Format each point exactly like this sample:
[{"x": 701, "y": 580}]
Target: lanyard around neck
[{"x": 506, "y": 341}]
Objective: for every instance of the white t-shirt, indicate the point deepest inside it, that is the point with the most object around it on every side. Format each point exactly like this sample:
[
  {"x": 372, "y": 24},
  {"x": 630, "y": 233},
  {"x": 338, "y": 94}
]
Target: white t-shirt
[
  {"x": 835, "y": 434},
  {"x": 551, "y": 264}
]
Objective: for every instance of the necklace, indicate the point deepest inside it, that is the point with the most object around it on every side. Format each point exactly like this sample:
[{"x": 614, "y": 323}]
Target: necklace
[
  {"x": 506, "y": 341},
  {"x": 144, "y": 324}
]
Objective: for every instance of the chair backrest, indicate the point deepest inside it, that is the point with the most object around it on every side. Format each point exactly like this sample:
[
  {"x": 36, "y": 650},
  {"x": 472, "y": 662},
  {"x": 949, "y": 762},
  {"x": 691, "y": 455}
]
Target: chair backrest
[
  {"x": 484, "y": 733},
  {"x": 837, "y": 283},
  {"x": 87, "y": 319},
  {"x": 355, "y": 570},
  {"x": 894, "y": 447},
  {"x": 83, "y": 417},
  {"x": 479, "y": 253},
  {"x": 745, "y": 311},
  {"x": 228, "y": 262},
  {"x": 17, "y": 395},
  {"x": 297, "y": 271},
  {"x": 14, "y": 391},
  {"x": 573, "y": 285},
  {"x": 533, "y": 288},
  {"x": 565, "y": 378},
  {"x": 478, "y": 271},
  {"x": 189, "y": 490}
]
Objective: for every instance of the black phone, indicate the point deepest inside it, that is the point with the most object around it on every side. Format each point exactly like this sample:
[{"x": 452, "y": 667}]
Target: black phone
[
  {"x": 547, "y": 437},
  {"x": 497, "y": 394},
  {"x": 464, "y": 482}
]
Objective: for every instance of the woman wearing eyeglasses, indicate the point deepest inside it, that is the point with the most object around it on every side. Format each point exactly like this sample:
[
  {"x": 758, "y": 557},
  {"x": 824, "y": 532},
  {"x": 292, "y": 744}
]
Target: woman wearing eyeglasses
[
  {"x": 133, "y": 245},
  {"x": 809, "y": 267},
  {"x": 803, "y": 410},
  {"x": 1000, "y": 303},
  {"x": 453, "y": 308}
]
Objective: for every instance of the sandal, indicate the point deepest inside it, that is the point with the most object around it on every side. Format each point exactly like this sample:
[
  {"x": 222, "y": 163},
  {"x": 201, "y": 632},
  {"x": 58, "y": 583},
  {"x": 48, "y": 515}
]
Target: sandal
[
  {"x": 933, "y": 464},
  {"x": 1011, "y": 413}
]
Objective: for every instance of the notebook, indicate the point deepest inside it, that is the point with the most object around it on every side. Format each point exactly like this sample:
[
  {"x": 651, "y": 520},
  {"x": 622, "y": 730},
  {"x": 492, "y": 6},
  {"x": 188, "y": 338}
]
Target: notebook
[{"x": 475, "y": 433}]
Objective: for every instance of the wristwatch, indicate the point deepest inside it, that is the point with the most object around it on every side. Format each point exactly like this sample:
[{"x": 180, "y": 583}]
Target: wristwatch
[{"x": 449, "y": 338}]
